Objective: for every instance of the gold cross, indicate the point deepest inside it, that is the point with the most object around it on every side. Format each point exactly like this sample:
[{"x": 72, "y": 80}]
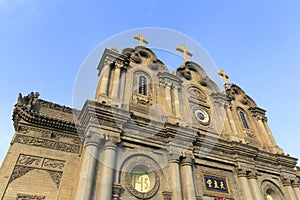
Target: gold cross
[
  {"x": 225, "y": 76},
  {"x": 185, "y": 52},
  {"x": 141, "y": 39}
]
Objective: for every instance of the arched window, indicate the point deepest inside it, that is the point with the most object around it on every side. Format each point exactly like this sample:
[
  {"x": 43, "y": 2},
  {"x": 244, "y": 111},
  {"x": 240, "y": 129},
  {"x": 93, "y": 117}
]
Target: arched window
[
  {"x": 244, "y": 120},
  {"x": 143, "y": 85},
  {"x": 270, "y": 194}
]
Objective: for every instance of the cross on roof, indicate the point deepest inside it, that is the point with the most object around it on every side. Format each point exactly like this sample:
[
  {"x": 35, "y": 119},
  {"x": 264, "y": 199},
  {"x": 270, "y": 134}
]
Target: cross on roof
[
  {"x": 224, "y": 76},
  {"x": 185, "y": 52},
  {"x": 140, "y": 37}
]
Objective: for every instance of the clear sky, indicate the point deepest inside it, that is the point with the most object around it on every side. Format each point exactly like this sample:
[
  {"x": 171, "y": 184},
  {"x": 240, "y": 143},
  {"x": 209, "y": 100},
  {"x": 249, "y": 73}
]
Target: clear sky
[{"x": 43, "y": 44}]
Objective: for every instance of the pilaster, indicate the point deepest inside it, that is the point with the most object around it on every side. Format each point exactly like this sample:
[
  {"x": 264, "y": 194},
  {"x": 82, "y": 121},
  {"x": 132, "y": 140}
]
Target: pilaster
[
  {"x": 256, "y": 192},
  {"x": 107, "y": 168},
  {"x": 168, "y": 99},
  {"x": 244, "y": 184},
  {"x": 174, "y": 175},
  {"x": 289, "y": 192},
  {"x": 188, "y": 185},
  {"x": 176, "y": 101},
  {"x": 88, "y": 168},
  {"x": 116, "y": 81}
]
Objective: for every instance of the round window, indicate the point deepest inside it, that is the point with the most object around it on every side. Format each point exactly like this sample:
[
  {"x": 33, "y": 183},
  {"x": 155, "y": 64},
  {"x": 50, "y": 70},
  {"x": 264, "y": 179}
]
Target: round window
[
  {"x": 142, "y": 182},
  {"x": 142, "y": 179}
]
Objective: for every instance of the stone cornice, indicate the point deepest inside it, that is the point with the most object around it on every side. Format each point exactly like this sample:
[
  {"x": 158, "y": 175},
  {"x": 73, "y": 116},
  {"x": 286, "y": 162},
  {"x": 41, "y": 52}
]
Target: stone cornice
[
  {"x": 111, "y": 56},
  {"x": 166, "y": 77},
  {"x": 21, "y": 113}
]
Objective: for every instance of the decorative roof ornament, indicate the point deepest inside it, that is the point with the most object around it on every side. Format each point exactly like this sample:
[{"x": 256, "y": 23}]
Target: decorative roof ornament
[
  {"x": 141, "y": 39},
  {"x": 185, "y": 52},
  {"x": 114, "y": 49},
  {"x": 224, "y": 76}
]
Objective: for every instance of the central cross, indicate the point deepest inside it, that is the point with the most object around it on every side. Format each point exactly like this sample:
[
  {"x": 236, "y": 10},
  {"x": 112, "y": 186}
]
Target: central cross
[
  {"x": 185, "y": 52},
  {"x": 141, "y": 39},
  {"x": 224, "y": 76}
]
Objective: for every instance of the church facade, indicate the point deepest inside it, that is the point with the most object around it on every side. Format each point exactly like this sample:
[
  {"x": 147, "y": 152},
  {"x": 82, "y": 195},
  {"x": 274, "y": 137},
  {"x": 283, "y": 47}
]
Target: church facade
[{"x": 148, "y": 134}]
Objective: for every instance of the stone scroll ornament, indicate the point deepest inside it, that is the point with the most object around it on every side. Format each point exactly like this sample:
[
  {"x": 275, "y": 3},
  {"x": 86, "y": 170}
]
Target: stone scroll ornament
[{"x": 27, "y": 163}]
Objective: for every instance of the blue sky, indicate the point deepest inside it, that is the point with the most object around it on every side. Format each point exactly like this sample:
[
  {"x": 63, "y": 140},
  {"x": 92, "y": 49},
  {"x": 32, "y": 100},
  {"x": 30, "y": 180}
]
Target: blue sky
[{"x": 43, "y": 44}]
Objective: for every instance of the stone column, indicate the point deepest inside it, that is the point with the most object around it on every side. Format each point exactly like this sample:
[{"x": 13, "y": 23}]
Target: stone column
[
  {"x": 256, "y": 192},
  {"x": 262, "y": 128},
  {"x": 231, "y": 120},
  {"x": 289, "y": 192},
  {"x": 123, "y": 84},
  {"x": 176, "y": 102},
  {"x": 116, "y": 81},
  {"x": 104, "y": 80},
  {"x": 188, "y": 185},
  {"x": 295, "y": 187},
  {"x": 174, "y": 175},
  {"x": 220, "y": 122},
  {"x": 168, "y": 99},
  {"x": 88, "y": 167},
  {"x": 265, "y": 122},
  {"x": 107, "y": 168},
  {"x": 242, "y": 176}
]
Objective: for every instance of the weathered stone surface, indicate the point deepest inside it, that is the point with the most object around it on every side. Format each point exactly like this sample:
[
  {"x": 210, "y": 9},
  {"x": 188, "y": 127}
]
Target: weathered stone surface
[{"x": 149, "y": 134}]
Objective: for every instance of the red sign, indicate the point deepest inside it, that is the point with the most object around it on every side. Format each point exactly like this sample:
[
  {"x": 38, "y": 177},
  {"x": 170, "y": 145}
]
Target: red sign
[{"x": 220, "y": 198}]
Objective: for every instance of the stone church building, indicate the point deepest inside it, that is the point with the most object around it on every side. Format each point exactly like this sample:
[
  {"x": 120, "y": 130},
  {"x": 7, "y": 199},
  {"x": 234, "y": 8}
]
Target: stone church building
[{"x": 148, "y": 134}]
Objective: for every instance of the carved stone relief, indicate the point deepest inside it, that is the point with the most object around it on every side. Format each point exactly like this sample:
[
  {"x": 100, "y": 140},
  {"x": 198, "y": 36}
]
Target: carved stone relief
[
  {"x": 29, "y": 160},
  {"x": 53, "y": 164},
  {"x": 60, "y": 146},
  {"x": 56, "y": 177},
  {"x": 73, "y": 139},
  {"x": 27, "y": 163},
  {"x": 19, "y": 171},
  {"x": 29, "y": 197},
  {"x": 197, "y": 94}
]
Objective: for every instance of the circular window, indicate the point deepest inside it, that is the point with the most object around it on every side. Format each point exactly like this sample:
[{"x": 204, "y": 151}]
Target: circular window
[
  {"x": 202, "y": 116},
  {"x": 142, "y": 182},
  {"x": 141, "y": 179}
]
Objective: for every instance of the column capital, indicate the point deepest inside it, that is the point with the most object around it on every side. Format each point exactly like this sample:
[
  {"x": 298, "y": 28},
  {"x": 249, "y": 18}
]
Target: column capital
[
  {"x": 173, "y": 157},
  {"x": 294, "y": 183},
  {"x": 91, "y": 140},
  {"x": 244, "y": 172},
  {"x": 118, "y": 65},
  {"x": 110, "y": 143},
  {"x": 258, "y": 113},
  {"x": 187, "y": 158},
  {"x": 286, "y": 181},
  {"x": 252, "y": 174}
]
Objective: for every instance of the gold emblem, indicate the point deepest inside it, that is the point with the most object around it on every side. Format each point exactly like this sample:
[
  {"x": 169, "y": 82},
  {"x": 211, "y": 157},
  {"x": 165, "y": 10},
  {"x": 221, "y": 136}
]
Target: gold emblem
[{"x": 140, "y": 181}]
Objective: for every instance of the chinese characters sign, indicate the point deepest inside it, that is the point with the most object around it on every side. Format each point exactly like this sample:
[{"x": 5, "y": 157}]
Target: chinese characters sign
[{"x": 216, "y": 184}]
